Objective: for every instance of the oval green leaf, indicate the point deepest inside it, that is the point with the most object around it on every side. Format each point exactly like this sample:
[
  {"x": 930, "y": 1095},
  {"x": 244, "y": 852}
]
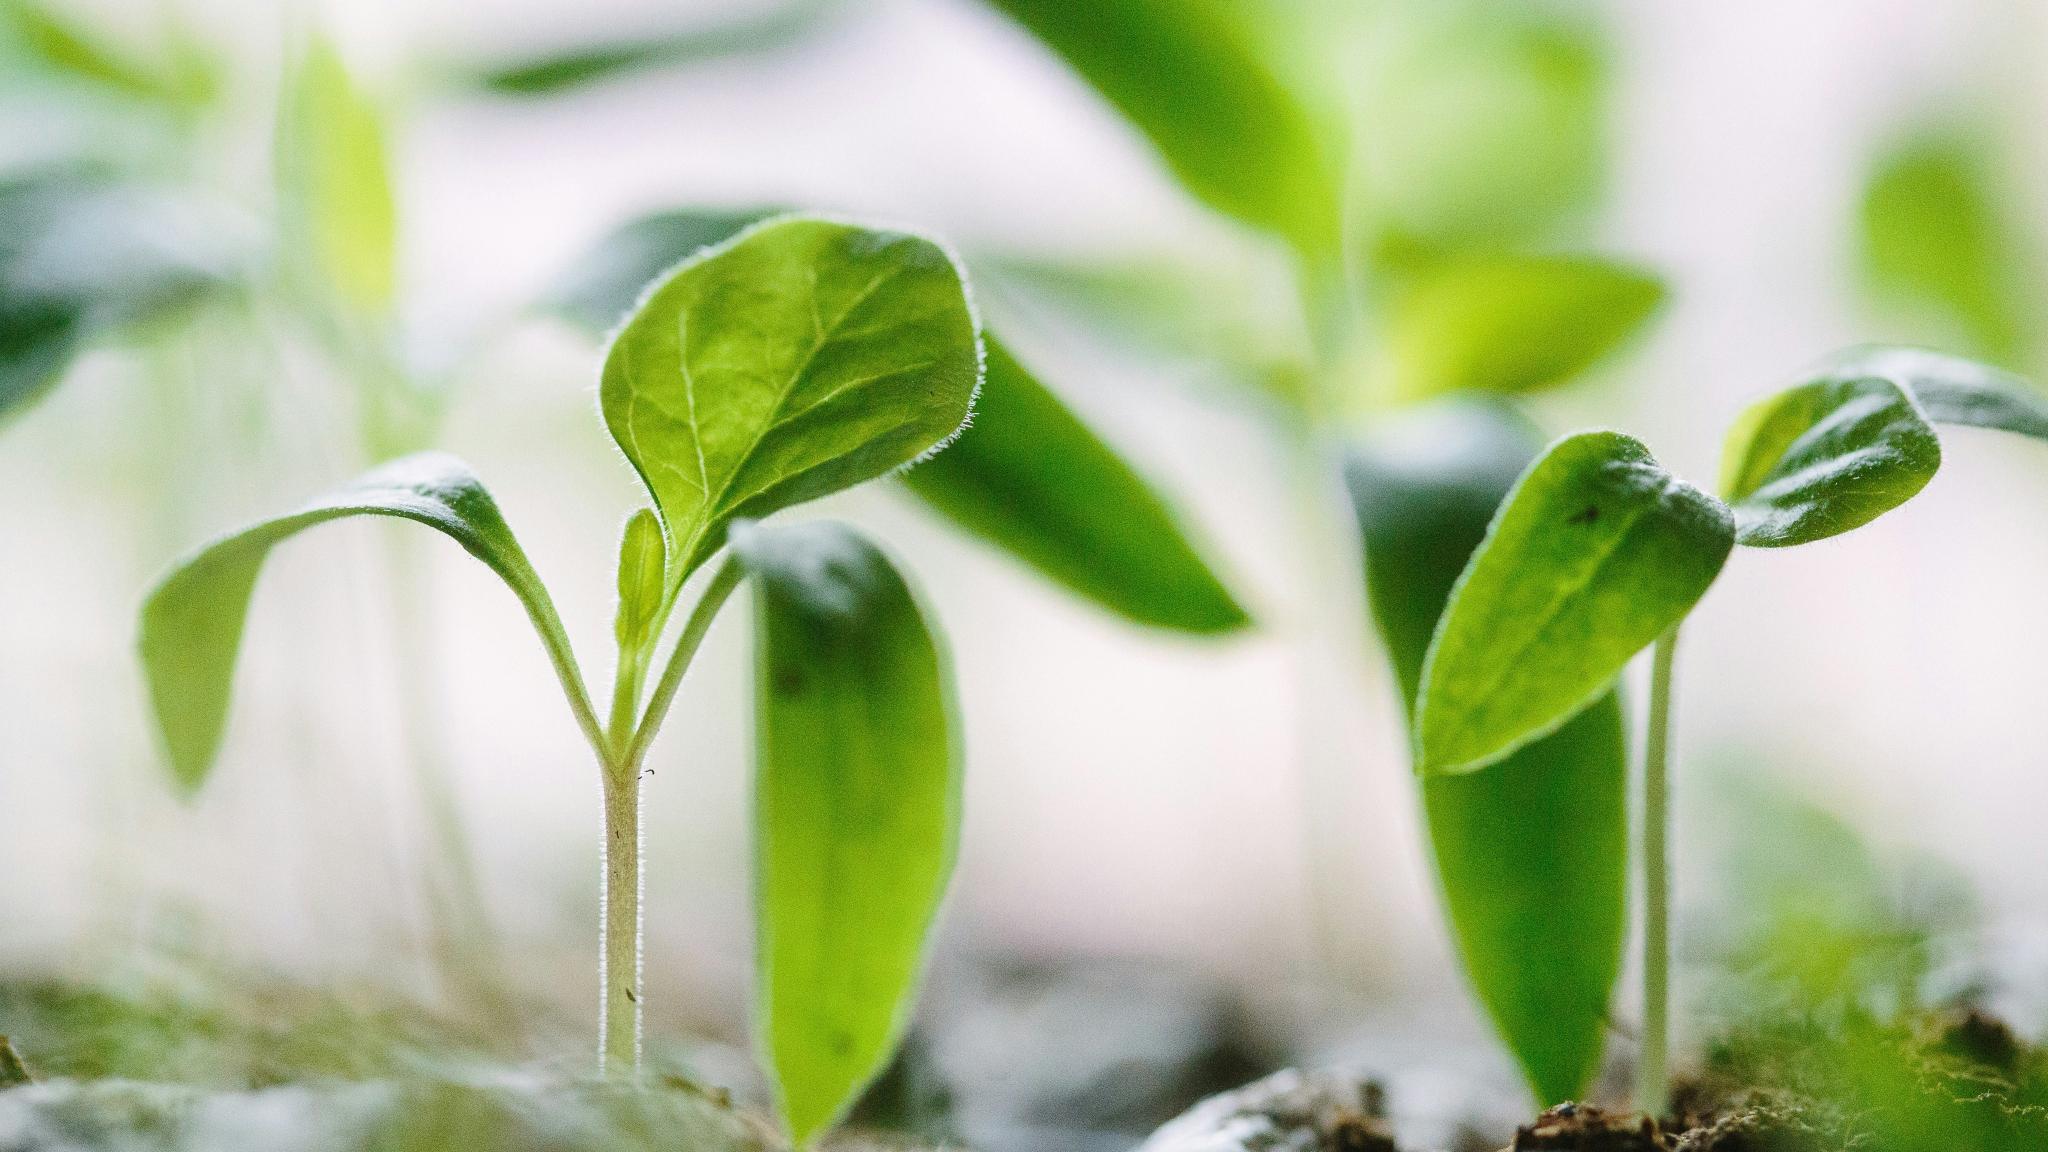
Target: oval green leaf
[
  {"x": 1952, "y": 389},
  {"x": 642, "y": 581},
  {"x": 1510, "y": 324},
  {"x": 857, "y": 809},
  {"x": 1595, "y": 553},
  {"x": 798, "y": 359},
  {"x": 1825, "y": 457},
  {"x": 1192, "y": 77},
  {"x": 1425, "y": 491},
  {"x": 334, "y": 181},
  {"x": 1034, "y": 480},
  {"x": 192, "y": 621}
]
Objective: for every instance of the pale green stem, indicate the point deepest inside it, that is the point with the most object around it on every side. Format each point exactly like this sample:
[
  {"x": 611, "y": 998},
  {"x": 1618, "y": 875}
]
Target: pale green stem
[
  {"x": 619, "y": 1019},
  {"x": 1654, "y": 1074}
]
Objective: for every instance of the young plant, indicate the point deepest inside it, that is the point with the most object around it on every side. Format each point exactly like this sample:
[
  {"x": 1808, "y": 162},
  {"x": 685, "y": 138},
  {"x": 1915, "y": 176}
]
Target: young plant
[
  {"x": 1598, "y": 552},
  {"x": 798, "y": 359}
]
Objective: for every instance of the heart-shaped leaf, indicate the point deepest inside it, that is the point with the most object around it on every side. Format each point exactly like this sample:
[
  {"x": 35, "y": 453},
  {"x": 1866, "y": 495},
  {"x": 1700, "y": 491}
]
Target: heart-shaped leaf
[
  {"x": 1595, "y": 553},
  {"x": 800, "y": 358},
  {"x": 1510, "y": 323},
  {"x": 1033, "y": 479},
  {"x": 192, "y": 620},
  {"x": 1191, "y": 76},
  {"x": 1953, "y": 390},
  {"x": 1539, "y": 919},
  {"x": 857, "y": 809},
  {"x": 1824, "y": 457}
]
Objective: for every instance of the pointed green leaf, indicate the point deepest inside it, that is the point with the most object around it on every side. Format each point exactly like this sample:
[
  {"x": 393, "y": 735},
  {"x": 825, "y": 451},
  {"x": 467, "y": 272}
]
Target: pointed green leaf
[
  {"x": 192, "y": 620},
  {"x": 571, "y": 69},
  {"x": 1595, "y": 553},
  {"x": 334, "y": 180},
  {"x": 602, "y": 287},
  {"x": 642, "y": 581},
  {"x": 76, "y": 51},
  {"x": 1951, "y": 389},
  {"x": 800, "y": 358},
  {"x": 1943, "y": 246},
  {"x": 1034, "y": 480},
  {"x": 1425, "y": 491},
  {"x": 1510, "y": 323},
  {"x": 1821, "y": 458},
  {"x": 857, "y": 809},
  {"x": 1192, "y": 77}
]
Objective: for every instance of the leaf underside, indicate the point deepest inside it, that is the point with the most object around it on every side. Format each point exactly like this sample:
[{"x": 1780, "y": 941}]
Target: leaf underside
[
  {"x": 1952, "y": 389},
  {"x": 1595, "y": 553},
  {"x": 857, "y": 809},
  {"x": 192, "y": 620},
  {"x": 801, "y": 358},
  {"x": 1531, "y": 854},
  {"x": 1825, "y": 457}
]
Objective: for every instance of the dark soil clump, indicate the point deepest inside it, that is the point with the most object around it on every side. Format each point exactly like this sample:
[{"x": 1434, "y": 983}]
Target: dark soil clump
[{"x": 1584, "y": 1128}]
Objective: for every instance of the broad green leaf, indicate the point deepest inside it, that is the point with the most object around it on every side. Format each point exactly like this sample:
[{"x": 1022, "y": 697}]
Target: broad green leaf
[
  {"x": 192, "y": 621},
  {"x": 1821, "y": 458},
  {"x": 334, "y": 180},
  {"x": 1190, "y": 75},
  {"x": 801, "y": 358},
  {"x": 1595, "y": 553},
  {"x": 857, "y": 809},
  {"x": 1425, "y": 491},
  {"x": 1510, "y": 323},
  {"x": 1953, "y": 390},
  {"x": 1033, "y": 479},
  {"x": 642, "y": 582},
  {"x": 602, "y": 287},
  {"x": 581, "y": 67},
  {"x": 1943, "y": 244}
]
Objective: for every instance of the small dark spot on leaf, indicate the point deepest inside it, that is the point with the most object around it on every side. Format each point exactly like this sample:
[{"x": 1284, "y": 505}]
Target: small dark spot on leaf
[
  {"x": 632, "y": 995},
  {"x": 789, "y": 680},
  {"x": 1591, "y": 514}
]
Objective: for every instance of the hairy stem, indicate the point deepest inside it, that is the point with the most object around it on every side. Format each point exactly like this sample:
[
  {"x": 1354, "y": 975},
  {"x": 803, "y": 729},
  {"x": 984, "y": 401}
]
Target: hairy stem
[
  {"x": 723, "y": 582},
  {"x": 619, "y": 930},
  {"x": 1654, "y": 1075}
]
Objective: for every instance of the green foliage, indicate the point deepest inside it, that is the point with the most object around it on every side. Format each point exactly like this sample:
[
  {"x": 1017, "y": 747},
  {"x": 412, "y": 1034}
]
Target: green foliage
[
  {"x": 1942, "y": 243},
  {"x": 1539, "y": 913},
  {"x": 1595, "y": 553},
  {"x": 602, "y": 287},
  {"x": 1033, "y": 479},
  {"x": 192, "y": 621},
  {"x": 801, "y": 358},
  {"x": 642, "y": 581},
  {"x": 1191, "y": 76},
  {"x": 1822, "y": 458},
  {"x": 334, "y": 181},
  {"x": 857, "y": 798},
  {"x": 1509, "y": 324},
  {"x": 76, "y": 52},
  {"x": 556, "y": 73},
  {"x": 1953, "y": 390}
]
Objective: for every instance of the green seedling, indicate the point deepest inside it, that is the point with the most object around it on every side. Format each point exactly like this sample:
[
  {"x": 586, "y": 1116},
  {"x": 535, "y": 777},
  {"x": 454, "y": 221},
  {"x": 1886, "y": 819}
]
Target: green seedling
[
  {"x": 800, "y": 358},
  {"x": 1598, "y": 552}
]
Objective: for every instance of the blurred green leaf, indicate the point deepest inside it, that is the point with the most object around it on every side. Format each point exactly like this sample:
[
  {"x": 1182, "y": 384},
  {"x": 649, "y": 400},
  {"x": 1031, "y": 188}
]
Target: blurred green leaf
[
  {"x": 800, "y": 359},
  {"x": 1942, "y": 242},
  {"x": 1596, "y": 552},
  {"x": 73, "y": 50},
  {"x": 857, "y": 809},
  {"x": 334, "y": 181},
  {"x": 1034, "y": 480},
  {"x": 1482, "y": 123},
  {"x": 1953, "y": 390},
  {"x": 192, "y": 621},
  {"x": 1190, "y": 75},
  {"x": 1510, "y": 323},
  {"x": 601, "y": 288},
  {"x": 1539, "y": 918},
  {"x": 1824, "y": 457},
  {"x": 580, "y": 67}
]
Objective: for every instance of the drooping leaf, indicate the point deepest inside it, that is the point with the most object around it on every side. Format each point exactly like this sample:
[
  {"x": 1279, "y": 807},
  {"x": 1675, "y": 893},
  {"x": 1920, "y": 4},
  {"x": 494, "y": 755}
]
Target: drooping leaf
[
  {"x": 580, "y": 67},
  {"x": 1510, "y": 323},
  {"x": 1190, "y": 75},
  {"x": 857, "y": 809},
  {"x": 642, "y": 581},
  {"x": 603, "y": 286},
  {"x": 192, "y": 621},
  {"x": 334, "y": 181},
  {"x": 1539, "y": 918},
  {"x": 801, "y": 358},
  {"x": 82, "y": 256},
  {"x": 1942, "y": 244},
  {"x": 1952, "y": 389},
  {"x": 1595, "y": 553},
  {"x": 1034, "y": 480},
  {"x": 1821, "y": 458}
]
